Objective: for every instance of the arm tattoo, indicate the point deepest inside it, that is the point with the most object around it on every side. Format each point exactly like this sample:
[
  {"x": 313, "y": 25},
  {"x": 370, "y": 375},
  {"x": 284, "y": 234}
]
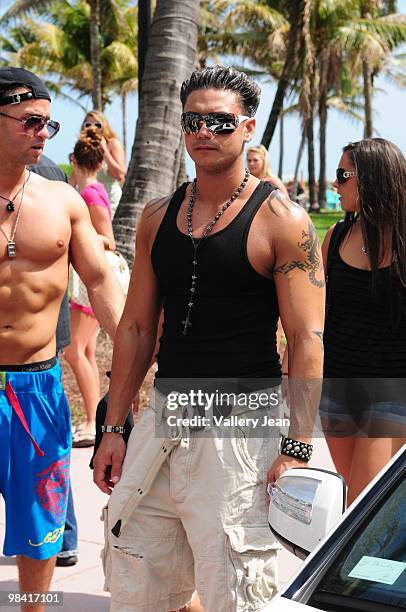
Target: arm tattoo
[
  {"x": 156, "y": 205},
  {"x": 280, "y": 197},
  {"x": 319, "y": 334},
  {"x": 312, "y": 263}
]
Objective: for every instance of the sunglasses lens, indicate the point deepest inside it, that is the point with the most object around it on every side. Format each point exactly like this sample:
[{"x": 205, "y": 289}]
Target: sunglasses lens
[
  {"x": 217, "y": 123},
  {"x": 191, "y": 123},
  {"x": 34, "y": 123},
  {"x": 340, "y": 175},
  {"x": 89, "y": 124},
  {"x": 53, "y": 128},
  {"x": 221, "y": 123}
]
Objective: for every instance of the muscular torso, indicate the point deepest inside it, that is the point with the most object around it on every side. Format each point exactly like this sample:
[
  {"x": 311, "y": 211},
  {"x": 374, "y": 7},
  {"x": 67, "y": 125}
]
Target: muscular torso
[
  {"x": 261, "y": 234},
  {"x": 33, "y": 283}
]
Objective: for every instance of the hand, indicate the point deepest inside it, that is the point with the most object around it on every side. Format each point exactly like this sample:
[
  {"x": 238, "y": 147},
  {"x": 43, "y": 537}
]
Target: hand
[
  {"x": 110, "y": 454},
  {"x": 282, "y": 463},
  {"x": 104, "y": 145}
]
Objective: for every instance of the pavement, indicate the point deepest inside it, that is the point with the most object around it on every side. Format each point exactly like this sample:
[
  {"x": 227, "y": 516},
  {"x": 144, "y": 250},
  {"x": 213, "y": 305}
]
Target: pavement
[{"x": 82, "y": 584}]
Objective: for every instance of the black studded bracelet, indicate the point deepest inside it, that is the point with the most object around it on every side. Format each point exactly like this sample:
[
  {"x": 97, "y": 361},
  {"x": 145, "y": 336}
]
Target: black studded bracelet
[{"x": 295, "y": 448}]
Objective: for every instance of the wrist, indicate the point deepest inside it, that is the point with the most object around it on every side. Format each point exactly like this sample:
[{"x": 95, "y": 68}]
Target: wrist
[
  {"x": 118, "y": 429},
  {"x": 296, "y": 449}
]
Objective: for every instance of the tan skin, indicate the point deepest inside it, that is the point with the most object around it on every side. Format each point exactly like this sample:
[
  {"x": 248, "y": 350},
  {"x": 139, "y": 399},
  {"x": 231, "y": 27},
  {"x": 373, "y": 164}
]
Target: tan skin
[
  {"x": 54, "y": 223},
  {"x": 272, "y": 243},
  {"x": 357, "y": 459}
]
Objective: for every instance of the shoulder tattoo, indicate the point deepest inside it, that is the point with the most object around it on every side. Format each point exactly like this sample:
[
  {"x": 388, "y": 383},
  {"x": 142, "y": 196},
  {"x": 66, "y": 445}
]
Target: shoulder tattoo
[
  {"x": 278, "y": 196},
  {"x": 156, "y": 205},
  {"x": 312, "y": 263}
]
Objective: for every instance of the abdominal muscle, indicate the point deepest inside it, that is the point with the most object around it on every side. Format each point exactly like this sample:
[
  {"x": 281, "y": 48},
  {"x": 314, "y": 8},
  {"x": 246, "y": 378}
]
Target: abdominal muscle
[{"x": 29, "y": 309}]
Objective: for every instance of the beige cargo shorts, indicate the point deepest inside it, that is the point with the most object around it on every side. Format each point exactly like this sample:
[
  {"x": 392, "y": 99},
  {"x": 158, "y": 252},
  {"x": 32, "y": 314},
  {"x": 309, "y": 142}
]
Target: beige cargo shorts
[{"x": 191, "y": 513}]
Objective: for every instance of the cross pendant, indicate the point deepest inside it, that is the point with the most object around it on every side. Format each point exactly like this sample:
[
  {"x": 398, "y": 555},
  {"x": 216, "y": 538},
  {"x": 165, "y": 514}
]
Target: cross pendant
[
  {"x": 186, "y": 323},
  {"x": 11, "y": 249}
]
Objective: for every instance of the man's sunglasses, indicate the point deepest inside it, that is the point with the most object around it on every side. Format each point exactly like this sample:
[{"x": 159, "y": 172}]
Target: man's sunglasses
[
  {"x": 96, "y": 124},
  {"x": 217, "y": 123},
  {"x": 343, "y": 175},
  {"x": 35, "y": 124}
]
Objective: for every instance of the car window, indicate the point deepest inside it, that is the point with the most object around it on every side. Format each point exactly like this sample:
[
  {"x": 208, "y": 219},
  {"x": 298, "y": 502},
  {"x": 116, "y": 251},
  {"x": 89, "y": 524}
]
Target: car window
[{"x": 372, "y": 566}]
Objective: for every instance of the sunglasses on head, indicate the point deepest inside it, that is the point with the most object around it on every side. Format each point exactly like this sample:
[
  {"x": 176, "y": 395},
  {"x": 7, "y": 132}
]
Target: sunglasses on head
[
  {"x": 35, "y": 123},
  {"x": 216, "y": 123},
  {"x": 343, "y": 175},
  {"x": 96, "y": 124}
]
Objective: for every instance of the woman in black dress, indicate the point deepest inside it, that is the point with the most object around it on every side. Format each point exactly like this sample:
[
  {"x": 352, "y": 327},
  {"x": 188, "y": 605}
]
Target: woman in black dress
[{"x": 363, "y": 407}]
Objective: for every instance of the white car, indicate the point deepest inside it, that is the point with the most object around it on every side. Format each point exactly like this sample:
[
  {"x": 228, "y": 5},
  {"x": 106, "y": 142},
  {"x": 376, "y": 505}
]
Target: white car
[{"x": 361, "y": 563}]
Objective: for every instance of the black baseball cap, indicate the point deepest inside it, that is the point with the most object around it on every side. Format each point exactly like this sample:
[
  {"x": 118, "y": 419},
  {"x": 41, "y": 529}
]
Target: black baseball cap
[{"x": 14, "y": 77}]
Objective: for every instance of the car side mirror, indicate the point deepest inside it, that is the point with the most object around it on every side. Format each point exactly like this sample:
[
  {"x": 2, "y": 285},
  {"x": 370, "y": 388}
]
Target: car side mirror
[{"x": 306, "y": 503}]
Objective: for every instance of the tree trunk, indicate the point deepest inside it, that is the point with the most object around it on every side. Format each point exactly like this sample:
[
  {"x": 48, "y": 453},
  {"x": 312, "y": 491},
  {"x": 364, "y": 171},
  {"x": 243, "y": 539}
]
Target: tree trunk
[
  {"x": 281, "y": 145},
  {"x": 182, "y": 176},
  {"x": 144, "y": 24},
  {"x": 95, "y": 54},
  {"x": 289, "y": 67},
  {"x": 155, "y": 158},
  {"x": 366, "y": 74},
  {"x": 311, "y": 165},
  {"x": 124, "y": 118},
  {"x": 323, "y": 125},
  {"x": 298, "y": 160}
]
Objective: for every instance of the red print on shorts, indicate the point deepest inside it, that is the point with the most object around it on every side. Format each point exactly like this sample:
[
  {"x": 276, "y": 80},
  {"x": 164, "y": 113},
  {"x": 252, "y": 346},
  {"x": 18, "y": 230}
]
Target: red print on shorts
[{"x": 52, "y": 489}]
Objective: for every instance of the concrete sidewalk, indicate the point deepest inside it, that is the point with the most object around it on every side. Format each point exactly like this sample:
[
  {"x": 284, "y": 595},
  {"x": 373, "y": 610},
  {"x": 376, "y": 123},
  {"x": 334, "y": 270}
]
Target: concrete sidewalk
[{"x": 82, "y": 584}]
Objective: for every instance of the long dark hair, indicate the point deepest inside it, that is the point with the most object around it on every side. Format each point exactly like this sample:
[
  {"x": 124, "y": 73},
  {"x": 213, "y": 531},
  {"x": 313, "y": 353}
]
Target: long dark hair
[{"x": 381, "y": 181}]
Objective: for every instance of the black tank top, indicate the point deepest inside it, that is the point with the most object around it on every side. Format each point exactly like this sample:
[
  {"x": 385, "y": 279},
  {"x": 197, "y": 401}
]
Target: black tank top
[
  {"x": 235, "y": 316},
  {"x": 360, "y": 339}
]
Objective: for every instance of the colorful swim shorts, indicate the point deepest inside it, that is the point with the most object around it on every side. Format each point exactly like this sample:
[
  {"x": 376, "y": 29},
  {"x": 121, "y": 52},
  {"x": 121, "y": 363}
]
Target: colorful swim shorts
[{"x": 35, "y": 442}]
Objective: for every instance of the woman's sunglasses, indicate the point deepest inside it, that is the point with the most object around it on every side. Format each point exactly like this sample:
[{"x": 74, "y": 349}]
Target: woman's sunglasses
[
  {"x": 35, "y": 124},
  {"x": 343, "y": 175},
  {"x": 96, "y": 124},
  {"x": 217, "y": 123}
]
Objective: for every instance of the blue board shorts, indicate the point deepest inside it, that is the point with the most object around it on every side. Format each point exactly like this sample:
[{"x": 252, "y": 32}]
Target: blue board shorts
[{"x": 35, "y": 443}]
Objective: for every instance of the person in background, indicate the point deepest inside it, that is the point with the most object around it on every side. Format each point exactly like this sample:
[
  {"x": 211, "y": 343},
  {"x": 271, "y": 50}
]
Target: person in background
[
  {"x": 68, "y": 556},
  {"x": 44, "y": 225},
  {"x": 113, "y": 169},
  {"x": 87, "y": 159},
  {"x": 258, "y": 165},
  {"x": 363, "y": 407}
]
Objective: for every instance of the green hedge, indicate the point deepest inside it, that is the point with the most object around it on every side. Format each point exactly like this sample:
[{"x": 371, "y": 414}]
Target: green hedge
[{"x": 324, "y": 220}]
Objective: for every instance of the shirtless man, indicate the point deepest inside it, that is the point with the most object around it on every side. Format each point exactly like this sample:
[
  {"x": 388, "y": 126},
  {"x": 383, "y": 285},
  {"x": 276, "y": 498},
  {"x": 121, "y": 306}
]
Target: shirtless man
[
  {"x": 189, "y": 510},
  {"x": 43, "y": 225}
]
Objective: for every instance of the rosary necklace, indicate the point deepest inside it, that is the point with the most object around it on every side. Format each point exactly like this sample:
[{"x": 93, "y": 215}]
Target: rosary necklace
[
  {"x": 196, "y": 242},
  {"x": 10, "y": 201},
  {"x": 11, "y": 245}
]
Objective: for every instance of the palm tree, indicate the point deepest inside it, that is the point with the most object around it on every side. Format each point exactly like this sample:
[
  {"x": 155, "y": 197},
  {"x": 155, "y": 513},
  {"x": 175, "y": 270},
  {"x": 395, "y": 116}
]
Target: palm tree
[
  {"x": 60, "y": 46},
  {"x": 100, "y": 13},
  {"x": 157, "y": 147}
]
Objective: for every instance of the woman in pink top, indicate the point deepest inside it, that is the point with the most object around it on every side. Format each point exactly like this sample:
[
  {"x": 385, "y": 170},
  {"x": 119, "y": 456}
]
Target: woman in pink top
[{"x": 81, "y": 354}]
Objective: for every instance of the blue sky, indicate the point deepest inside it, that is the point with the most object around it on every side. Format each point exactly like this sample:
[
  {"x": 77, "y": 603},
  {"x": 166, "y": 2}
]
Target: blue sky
[{"x": 389, "y": 120}]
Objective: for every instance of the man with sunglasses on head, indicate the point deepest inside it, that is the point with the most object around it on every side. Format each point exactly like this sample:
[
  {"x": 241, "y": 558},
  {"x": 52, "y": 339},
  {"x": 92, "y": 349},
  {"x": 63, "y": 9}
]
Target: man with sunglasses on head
[
  {"x": 224, "y": 256},
  {"x": 44, "y": 225}
]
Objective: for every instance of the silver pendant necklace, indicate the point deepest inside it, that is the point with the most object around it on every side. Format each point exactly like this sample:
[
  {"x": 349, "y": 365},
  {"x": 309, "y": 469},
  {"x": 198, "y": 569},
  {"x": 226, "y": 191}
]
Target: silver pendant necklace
[
  {"x": 11, "y": 245},
  {"x": 196, "y": 242},
  {"x": 10, "y": 201},
  {"x": 364, "y": 250}
]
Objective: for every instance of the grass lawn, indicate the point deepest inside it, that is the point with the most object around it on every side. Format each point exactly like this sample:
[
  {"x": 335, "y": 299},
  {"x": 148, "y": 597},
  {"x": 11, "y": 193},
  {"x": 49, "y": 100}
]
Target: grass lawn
[{"x": 324, "y": 220}]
